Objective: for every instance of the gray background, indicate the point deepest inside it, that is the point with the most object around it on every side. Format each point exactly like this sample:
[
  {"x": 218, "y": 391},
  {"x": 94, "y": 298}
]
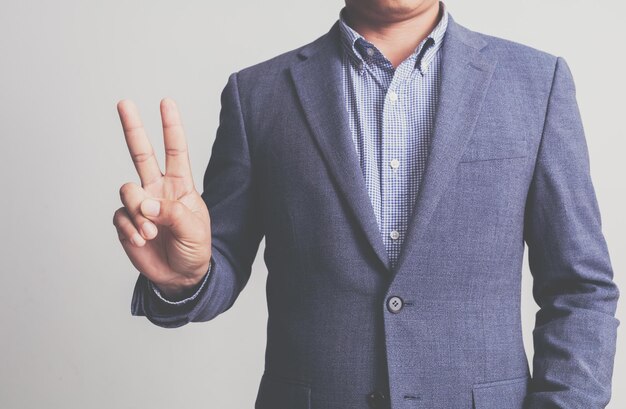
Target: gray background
[{"x": 67, "y": 337}]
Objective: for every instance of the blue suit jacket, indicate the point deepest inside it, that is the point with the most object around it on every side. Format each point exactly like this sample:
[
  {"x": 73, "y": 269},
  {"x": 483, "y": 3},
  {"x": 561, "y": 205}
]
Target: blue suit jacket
[{"x": 508, "y": 165}]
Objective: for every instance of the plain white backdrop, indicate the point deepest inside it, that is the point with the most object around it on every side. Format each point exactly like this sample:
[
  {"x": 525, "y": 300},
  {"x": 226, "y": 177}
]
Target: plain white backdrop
[{"x": 67, "y": 339}]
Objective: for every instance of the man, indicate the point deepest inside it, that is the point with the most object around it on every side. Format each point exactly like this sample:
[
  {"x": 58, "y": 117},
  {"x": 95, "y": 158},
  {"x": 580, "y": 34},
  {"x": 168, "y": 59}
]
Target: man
[{"x": 396, "y": 166}]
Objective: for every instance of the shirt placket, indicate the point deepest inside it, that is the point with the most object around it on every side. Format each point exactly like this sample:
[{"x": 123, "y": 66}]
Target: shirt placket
[{"x": 394, "y": 160}]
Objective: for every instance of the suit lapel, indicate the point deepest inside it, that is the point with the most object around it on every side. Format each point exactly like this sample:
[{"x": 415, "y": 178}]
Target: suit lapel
[
  {"x": 317, "y": 80},
  {"x": 465, "y": 77}
]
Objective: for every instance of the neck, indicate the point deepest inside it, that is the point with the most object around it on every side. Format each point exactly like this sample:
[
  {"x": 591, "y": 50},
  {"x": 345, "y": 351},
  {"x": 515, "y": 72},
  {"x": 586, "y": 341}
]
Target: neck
[{"x": 396, "y": 38}]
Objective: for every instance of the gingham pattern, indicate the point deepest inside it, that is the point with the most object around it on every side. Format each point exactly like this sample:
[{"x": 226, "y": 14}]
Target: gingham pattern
[{"x": 386, "y": 129}]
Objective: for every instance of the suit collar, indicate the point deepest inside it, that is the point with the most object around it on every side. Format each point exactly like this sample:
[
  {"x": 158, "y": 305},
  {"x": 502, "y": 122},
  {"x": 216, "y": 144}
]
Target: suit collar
[{"x": 461, "y": 33}]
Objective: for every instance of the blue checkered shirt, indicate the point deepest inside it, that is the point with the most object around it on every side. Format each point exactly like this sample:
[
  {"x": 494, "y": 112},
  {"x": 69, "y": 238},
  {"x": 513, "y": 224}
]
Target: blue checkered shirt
[{"x": 391, "y": 114}]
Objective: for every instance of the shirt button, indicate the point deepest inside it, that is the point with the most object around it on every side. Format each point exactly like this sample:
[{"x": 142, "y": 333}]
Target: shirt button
[
  {"x": 393, "y": 96},
  {"x": 394, "y": 235},
  {"x": 370, "y": 51},
  {"x": 395, "y": 304},
  {"x": 394, "y": 163}
]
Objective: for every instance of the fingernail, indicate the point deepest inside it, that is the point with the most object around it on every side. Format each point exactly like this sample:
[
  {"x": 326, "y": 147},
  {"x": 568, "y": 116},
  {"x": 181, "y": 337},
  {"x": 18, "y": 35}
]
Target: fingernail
[
  {"x": 150, "y": 207},
  {"x": 137, "y": 240},
  {"x": 149, "y": 230}
]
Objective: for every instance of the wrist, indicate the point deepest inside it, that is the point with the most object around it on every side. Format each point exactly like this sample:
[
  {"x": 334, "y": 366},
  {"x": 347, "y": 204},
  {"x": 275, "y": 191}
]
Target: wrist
[
  {"x": 184, "y": 288},
  {"x": 179, "y": 292}
]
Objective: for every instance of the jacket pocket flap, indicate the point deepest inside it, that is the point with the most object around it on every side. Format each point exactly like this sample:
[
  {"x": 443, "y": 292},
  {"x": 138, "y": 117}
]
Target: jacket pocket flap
[
  {"x": 478, "y": 150},
  {"x": 504, "y": 394}
]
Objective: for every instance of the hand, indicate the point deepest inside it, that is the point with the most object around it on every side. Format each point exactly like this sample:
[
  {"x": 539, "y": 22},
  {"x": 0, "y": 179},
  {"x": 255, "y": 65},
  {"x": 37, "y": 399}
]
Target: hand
[{"x": 164, "y": 225}]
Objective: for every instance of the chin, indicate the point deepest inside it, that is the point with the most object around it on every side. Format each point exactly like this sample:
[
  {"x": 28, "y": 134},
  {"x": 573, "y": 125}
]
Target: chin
[{"x": 390, "y": 9}]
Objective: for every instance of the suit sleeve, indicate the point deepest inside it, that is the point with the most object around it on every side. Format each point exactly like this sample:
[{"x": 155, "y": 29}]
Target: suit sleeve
[
  {"x": 575, "y": 329},
  {"x": 229, "y": 192}
]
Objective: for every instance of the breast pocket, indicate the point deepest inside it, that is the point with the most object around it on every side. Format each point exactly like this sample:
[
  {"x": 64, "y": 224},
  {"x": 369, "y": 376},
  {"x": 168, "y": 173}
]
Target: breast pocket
[
  {"x": 281, "y": 393},
  {"x": 495, "y": 148},
  {"x": 504, "y": 394}
]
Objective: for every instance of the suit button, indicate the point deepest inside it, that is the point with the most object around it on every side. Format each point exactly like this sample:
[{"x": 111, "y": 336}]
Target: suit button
[
  {"x": 395, "y": 304},
  {"x": 376, "y": 400}
]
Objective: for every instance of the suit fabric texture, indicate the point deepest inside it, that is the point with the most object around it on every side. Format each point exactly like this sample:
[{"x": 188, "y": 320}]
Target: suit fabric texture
[{"x": 507, "y": 166}]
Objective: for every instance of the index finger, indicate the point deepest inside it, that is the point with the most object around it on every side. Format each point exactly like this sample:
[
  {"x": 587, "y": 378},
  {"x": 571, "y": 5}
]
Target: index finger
[{"x": 141, "y": 150}]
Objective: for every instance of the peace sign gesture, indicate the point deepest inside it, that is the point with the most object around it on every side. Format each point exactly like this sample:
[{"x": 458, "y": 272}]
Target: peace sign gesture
[{"x": 164, "y": 225}]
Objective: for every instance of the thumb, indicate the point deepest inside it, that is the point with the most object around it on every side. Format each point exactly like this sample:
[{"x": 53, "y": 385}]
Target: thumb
[{"x": 171, "y": 213}]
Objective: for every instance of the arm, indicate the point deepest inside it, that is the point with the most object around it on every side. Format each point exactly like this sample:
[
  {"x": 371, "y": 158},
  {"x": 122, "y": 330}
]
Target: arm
[
  {"x": 236, "y": 231},
  {"x": 575, "y": 329}
]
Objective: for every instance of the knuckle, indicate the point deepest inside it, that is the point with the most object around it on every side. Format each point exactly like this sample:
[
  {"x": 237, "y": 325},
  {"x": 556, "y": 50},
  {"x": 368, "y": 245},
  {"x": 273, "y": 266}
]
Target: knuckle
[
  {"x": 117, "y": 216},
  {"x": 123, "y": 237},
  {"x": 175, "y": 151},
  {"x": 122, "y": 221},
  {"x": 125, "y": 189},
  {"x": 141, "y": 157},
  {"x": 177, "y": 126}
]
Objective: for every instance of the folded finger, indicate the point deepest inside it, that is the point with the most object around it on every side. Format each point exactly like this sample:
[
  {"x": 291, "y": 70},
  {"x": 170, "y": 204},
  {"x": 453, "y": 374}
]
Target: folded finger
[
  {"x": 131, "y": 196},
  {"x": 126, "y": 230}
]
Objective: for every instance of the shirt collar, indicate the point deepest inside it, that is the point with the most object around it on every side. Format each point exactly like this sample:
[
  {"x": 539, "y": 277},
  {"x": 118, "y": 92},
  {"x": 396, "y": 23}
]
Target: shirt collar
[{"x": 355, "y": 45}]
